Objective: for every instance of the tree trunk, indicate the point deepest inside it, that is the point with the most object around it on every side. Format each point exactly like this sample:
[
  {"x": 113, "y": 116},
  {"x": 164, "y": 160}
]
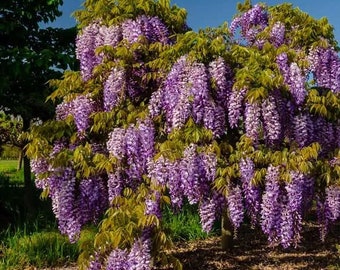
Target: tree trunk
[
  {"x": 227, "y": 232},
  {"x": 20, "y": 159},
  {"x": 29, "y": 198},
  {"x": 27, "y": 167}
]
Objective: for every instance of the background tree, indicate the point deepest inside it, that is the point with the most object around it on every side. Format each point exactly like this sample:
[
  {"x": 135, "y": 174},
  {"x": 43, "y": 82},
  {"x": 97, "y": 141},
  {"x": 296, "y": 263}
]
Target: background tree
[
  {"x": 10, "y": 131},
  {"x": 30, "y": 56},
  {"x": 241, "y": 119}
]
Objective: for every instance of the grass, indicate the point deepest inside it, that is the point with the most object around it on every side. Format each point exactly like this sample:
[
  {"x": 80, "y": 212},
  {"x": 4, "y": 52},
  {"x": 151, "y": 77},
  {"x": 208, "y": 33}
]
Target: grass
[
  {"x": 40, "y": 249},
  {"x": 8, "y": 165},
  {"x": 185, "y": 225},
  {"x": 9, "y": 173}
]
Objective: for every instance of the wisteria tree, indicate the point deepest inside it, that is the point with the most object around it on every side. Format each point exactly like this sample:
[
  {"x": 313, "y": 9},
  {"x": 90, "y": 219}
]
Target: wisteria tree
[{"x": 241, "y": 120}]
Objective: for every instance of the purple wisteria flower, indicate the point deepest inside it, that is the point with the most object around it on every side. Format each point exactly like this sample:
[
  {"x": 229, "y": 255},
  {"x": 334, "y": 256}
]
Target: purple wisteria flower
[
  {"x": 114, "y": 89},
  {"x": 332, "y": 202},
  {"x": 302, "y": 129},
  {"x": 252, "y": 194},
  {"x": 235, "y": 206},
  {"x": 235, "y": 106},
  {"x": 277, "y": 35},
  {"x": 139, "y": 257},
  {"x": 92, "y": 199},
  {"x": 223, "y": 80},
  {"x": 271, "y": 205},
  {"x": 251, "y": 23},
  {"x": 271, "y": 121},
  {"x": 82, "y": 107},
  {"x": 118, "y": 260},
  {"x": 252, "y": 121},
  {"x": 297, "y": 83},
  {"x": 325, "y": 65}
]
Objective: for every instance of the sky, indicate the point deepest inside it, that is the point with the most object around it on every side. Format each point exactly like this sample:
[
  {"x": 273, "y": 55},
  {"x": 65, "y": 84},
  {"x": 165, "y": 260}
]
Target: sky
[{"x": 212, "y": 13}]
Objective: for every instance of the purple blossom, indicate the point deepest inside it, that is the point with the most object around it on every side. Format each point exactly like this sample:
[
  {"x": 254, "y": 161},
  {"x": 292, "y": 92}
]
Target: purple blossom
[
  {"x": 252, "y": 193},
  {"x": 207, "y": 210},
  {"x": 190, "y": 174},
  {"x": 114, "y": 89},
  {"x": 325, "y": 65},
  {"x": 235, "y": 206},
  {"x": 65, "y": 204},
  {"x": 297, "y": 84},
  {"x": 271, "y": 206},
  {"x": 271, "y": 120},
  {"x": 85, "y": 50},
  {"x": 95, "y": 262},
  {"x": 252, "y": 121},
  {"x": 278, "y": 34},
  {"x": 116, "y": 184},
  {"x": 282, "y": 62},
  {"x": 235, "y": 106},
  {"x": 63, "y": 110},
  {"x": 82, "y": 107},
  {"x": 116, "y": 143},
  {"x": 118, "y": 260},
  {"x": 158, "y": 170},
  {"x": 175, "y": 184},
  {"x": 152, "y": 28},
  {"x": 251, "y": 23},
  {"x": 139, "y": 257},
  {"x": 291, "y": 219},
  {"x": 323, "y": 220},
  {"x": 332, "y": 202},
  {"x": 223, "y": 79},
  {"x": 92, "y": 199},
  {"x": 302, "y": 129},
  {"x": 152, "y": 206}
]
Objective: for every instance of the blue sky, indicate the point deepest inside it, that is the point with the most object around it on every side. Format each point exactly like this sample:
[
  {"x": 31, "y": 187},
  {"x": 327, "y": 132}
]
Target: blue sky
[{"x": 211, "y": 13}]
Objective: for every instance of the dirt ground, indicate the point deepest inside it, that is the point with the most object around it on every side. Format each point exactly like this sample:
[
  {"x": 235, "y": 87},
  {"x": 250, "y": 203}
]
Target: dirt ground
[{"x": 251, "y": 251}]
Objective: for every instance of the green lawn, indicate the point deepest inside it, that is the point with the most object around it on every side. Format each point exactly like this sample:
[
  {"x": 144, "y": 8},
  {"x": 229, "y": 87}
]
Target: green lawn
[{"x": 8, "y": 165}]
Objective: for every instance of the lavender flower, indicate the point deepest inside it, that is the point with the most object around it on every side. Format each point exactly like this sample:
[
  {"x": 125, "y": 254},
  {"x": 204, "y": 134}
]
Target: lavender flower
[
  {"x": 207, "y": 210},
  {"x": 116, "y": 143},
  {"x": 92, "y": 199},
  {"x": 236, "y": 106},
  {"x": 114, "y": 89},
  {"x": 251, "y": 23},
  {"x": 271, "y": 119},
  {"x": 325, "y": 65},
  {"x": 252, "y": 194},
  {"x": 332, "y": 202},
  {"x": 297, "y": 84},
  {"x": 82, "y": 107},
  {"x": 278, "y": 34},
  {"x": 222, "y": 77},
  {"x": 118, "y": 260},
  {"x": 235, "y": 206},
  {"x": 252, "y": 121},
  {"x": 139, "y": 257},
  {"x": 271, "y": 206}
]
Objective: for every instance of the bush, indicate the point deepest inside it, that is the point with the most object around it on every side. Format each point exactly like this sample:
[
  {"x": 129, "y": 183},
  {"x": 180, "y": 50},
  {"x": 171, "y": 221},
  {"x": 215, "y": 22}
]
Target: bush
[{"x": 9, "y": 152}]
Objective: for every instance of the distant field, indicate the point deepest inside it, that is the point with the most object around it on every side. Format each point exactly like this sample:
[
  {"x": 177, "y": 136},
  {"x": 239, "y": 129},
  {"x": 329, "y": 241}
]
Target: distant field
[{"x": 8, "y": 165}]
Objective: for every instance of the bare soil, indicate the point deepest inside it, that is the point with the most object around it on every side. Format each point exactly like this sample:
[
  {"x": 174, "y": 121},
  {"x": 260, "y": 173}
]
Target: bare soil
[{"x": 251, "y": 251}]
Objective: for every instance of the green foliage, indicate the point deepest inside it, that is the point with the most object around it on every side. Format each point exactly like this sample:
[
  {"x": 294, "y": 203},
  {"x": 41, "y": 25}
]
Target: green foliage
[{"x": 114, "y": 12}]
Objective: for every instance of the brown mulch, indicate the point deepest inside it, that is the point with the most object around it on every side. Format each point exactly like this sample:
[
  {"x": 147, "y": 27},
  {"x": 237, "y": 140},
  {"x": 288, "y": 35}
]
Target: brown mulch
[{"x": 251, "y": 251}]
